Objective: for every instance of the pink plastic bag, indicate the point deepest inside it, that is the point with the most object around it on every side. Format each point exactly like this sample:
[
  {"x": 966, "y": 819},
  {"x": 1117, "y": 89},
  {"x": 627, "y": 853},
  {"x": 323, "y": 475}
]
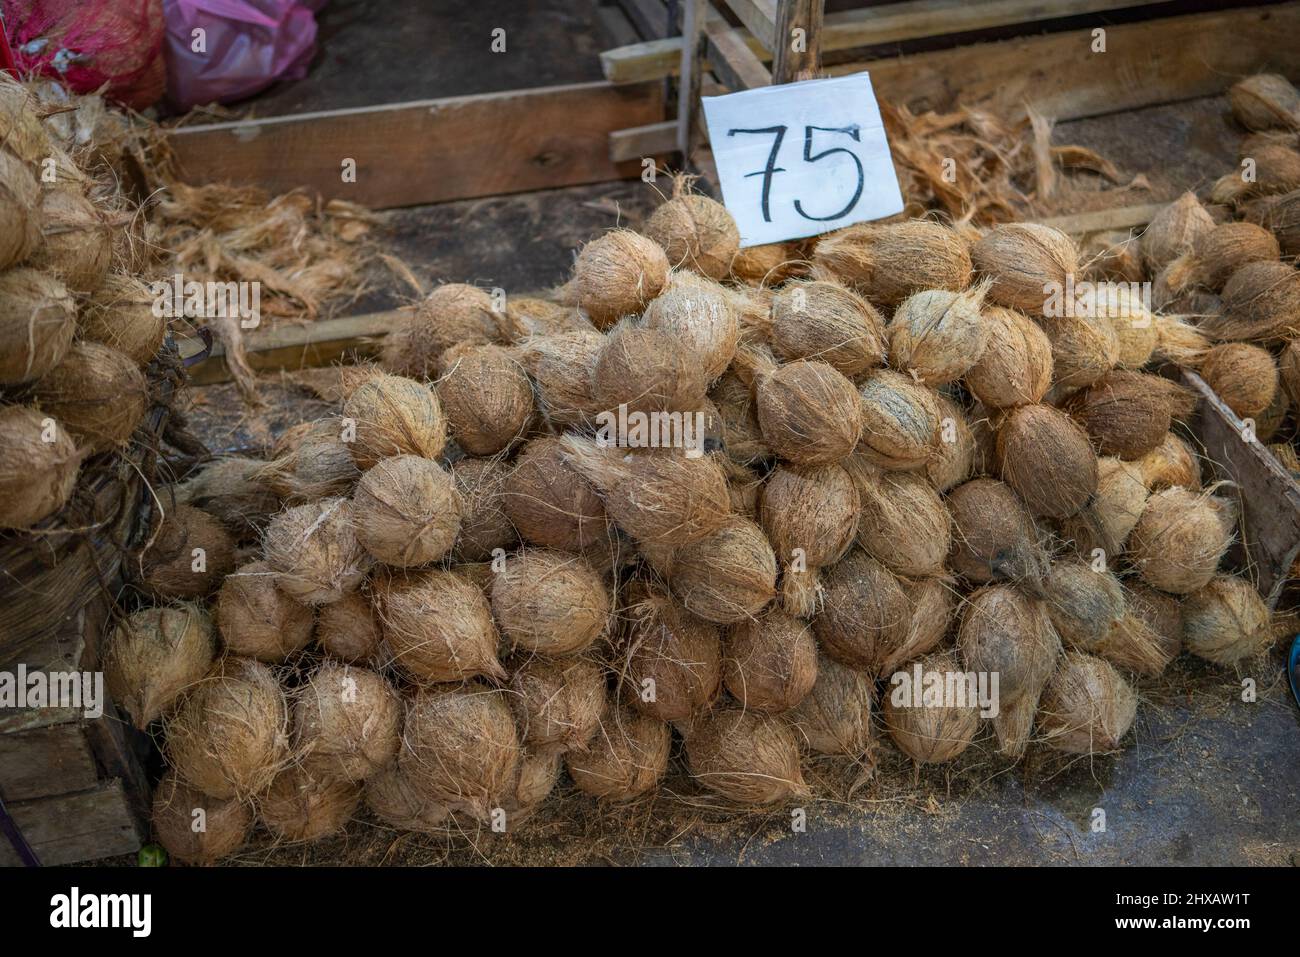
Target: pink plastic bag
[{"x": 247, "y": 46}]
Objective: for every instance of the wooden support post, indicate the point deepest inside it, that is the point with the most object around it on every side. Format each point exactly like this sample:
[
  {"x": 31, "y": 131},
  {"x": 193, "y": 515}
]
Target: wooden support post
[
  {"x": 798, "y": 52},
  {"x": 759, "y": 18},
  {"x": 688, "y": 84}
]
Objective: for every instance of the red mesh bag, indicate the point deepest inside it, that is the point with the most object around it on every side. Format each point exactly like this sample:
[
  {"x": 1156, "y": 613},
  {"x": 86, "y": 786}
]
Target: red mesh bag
[{"x": 91, "y": 44}]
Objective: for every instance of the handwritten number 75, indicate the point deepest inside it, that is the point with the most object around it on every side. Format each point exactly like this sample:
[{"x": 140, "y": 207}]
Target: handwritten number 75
[{"x": 778, "y": 134}]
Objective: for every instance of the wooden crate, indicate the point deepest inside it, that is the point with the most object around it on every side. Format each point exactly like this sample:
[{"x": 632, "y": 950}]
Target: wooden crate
[{"x": 75, "y": 787}]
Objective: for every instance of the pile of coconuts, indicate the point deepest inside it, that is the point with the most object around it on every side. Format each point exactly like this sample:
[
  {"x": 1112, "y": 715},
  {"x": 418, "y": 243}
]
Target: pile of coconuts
[
  {"x": 77, "y": 327},
  {"x": 457, "y": 596}
]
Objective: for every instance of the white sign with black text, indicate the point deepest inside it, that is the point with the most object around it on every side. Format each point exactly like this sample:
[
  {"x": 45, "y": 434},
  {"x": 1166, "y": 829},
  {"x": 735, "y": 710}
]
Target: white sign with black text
[{"x": 803, "y": 158}]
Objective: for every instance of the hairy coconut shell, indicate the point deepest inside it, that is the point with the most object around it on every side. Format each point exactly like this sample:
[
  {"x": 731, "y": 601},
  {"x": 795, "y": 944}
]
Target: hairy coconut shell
[
  {"x": 1265, "y": 101},
  {"x": 189, "y": 555},
  {"x": 300, "y": 807},
  {"x": 1160, "y": 616},
  {"x": 1226, "y": 622},
  {"x": 231, "y": 489},
  {"x": 1173, "y": 232},
  {"x": 21, "y": 125},
  {"x": 77, "y": 248},
  {"x": 550, "y": 503},
  {"x": 810, "y": 516},
  {"x": 728, "y": 576},
  {"x": 835, "y": 717},
  {"x": 616, "y": 275},
  {"x": 1261, "y": 301},
  {"x": 37, "y": 477},
  {"x": 1106, "y": 522},
  {"x": 549, "y": 602},
  {"x": 1047, "y": 459},
  {"x": 626, "y": 758},
  {"x": 1177, "y": 543},
  {"x": 120, "y": 314},
  {"x": 742, "y": 435},
  {"x": 314, "y": 552},
  {"x": 451, "y": 314},
  {"x": 318, "y": 464},
  {"x": 347, "y": 630},
  {"x": 562, "y": 366},
  {"x": 97, "y": 393},
  {"x": 484, "y": 524},
  {"x": 646, "y": 371},
  {"x": 398, "y": 802},
  {"x": 346, "y": 722},
  {"x": 938, "y": 336},
  {"x": 486, "y": 395},
  {"x": 1084, "y": 348},
  {"x": 808, "y": 412},
  {"x": 1222, "y": 251},
  {"x": 903, "y": 522},
  {"x": 1127, "y": 414},
  {"x": 538, "y": 774},
  {"x": 900, "y": 421},
  {"x": 672, "y": 661},
  {"x": 438, "y": 626},
  {"x": 529, "y": 316},
  {"x": 929, "y": 732},
  {"x": 558, "y": 703},
  {"x": 770, "y": 664},
  {"x": 994, "y": 536},
  {"x": 1023, "y": 260},
  {"x": 1272, "y": 419},
  {"x": 37, "y": 321},
  {"x": 1089, "y": 609},
  {"x": 20, "y": 211},
  {"x": 197, "y": 829},
  {"x": 702, "y": 315},
  {"x": 460, "y": 747},
  {"x": 696, "y": 232},
  {"x": 1087, "y": 707},
  {"x": 954, "y": 459},
  {"x": 890, "y": 261},
  {"x": 394, "y": 416},
  {"x": 1171, "y": 463},
  {"x": 229, "y": 738},
  {"x": 406, "y": 511},
  {"x": 823, "y": 320},
  {"x": 745, "y": 757},
  {"x": 767, "y": 265},
  {"x": 1245, "y": 377},
  {"x": 1136, "y": 331},
  {"x": 154, "y": 656},
  {"x": 258, "y": 620},
  {"x": 1015, "y": 367}
]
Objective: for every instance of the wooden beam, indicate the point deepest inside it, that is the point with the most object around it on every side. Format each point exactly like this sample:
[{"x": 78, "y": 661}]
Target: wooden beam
[
  {"x": 731, "y": 60},
  {"x": 851, "y": 29},
  {"x": 428, "y": 151},
  {"x": 797, "y": 54},
  {"x": 650, "y": 17},
  {"x": 690, "y": 68},
  {"x": 759, "y": 18},
  {"x": 1103, "y": 220},
  {"x": 653, "y": 139}
]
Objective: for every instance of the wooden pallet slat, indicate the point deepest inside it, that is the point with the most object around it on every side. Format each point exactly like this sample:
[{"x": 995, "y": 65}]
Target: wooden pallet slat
[
  {"x": 732, "y": 61},
  {"x": 759, "y": 18},
  {"x": 87, "y": 825}
]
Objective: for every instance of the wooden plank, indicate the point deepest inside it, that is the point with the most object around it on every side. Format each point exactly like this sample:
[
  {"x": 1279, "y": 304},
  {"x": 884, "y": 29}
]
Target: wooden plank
[
  {"x": 653, "y": 139},
  {"x": 850, "y": 29},
  {"x": 45, "y": 761},
  {"x": 650, "y": 17},
  {"x": 75, "y": 827},
  {"x": 1101, "y": 220},
  {"x": 1269, "y": 496},
  {"x": 428, "y": 151},
  {"x": 797, "y": 54},
  {"x": 734, "y": 63},
  {"x": 759, "y": 18},
  {"x": 688, "y": 88}
]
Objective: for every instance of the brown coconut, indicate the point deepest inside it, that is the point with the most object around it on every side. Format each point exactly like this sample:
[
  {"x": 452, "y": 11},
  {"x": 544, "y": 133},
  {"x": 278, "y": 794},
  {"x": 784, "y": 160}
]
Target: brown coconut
[
  {"x": 406, "y": 511},
  {"x": 197, "y": 829},
  {"x": 314, "y": 552},
  {"x": 1023, "y": 260},
  {"x": 550, "y": 602},
  {"x": 396, "y": 801},
  {"x": 891, "y": 261},
  {"x": 230, "y": 738},
  {"x": 728, "y": 576},
  {"x": 484, "y": 524},
  {"x": 695, "y": 231},
  {"x": 1045, "y": 456},
  {"x": 346, "y": 722},
  {"x": 460, "y": 747},
  {"x": 1179, "y": 341},
  {"x": 954, "y": 458},
  {"x": 561, "y": 366},
  {"x": 660, "y": 496},
  {"x": 1265, "y": 101},
  {"x": 767, "y": 265},
  {"x": 1177, "y": 543},
  {"x": 903, "y": 522},
  {"x": 38, "y": 470},
  {"x": 77, "y": 246},
  {"x": 538, "y": 774},
  {"x": 120, "y": 314},
  {"x": 300, "y": 807},
  {"x": 438, "y": 626},
  {"x": 702, "y": 315},
  {"x": 257, "y": 619},
  {"x": 671, "y": 664},
  {"x": 348, "y": 631},
  {"x": 1084, "y": 348},
  {"x": 826, "y": 321},
  {"x": 97, "y": 393},
  {"x": 937, "y": 336},
  {"x": 528, "y": 316},
  {"x": 928, "y": 726},
  {"x": 1244, "y": 376},
  {"x": 189, "y": 554},
  {"x": 1087, "y": 707},
  {"x": 1161, "y": 616},
  {"x": 1105, "y": 523},
  {"x": 394, "y": 416},
  {"x": 626, "y": 758},
  {"x": 315, "y": 465},
  {"x": 154, "y": 656},
  {"x": 1127, "y": 414},
  {"x": 1089, "y": 609},
  {"x": 810, "y": 516},
  {"x": 994, "y": 536},
  {"x": 1015, "y": 367},
  {"x": 451, "y": 314},
  {"x": 37, "y": 321},
  {"x": 1136, "y": 330},
  {"x": 745, "y": 757},
  {"x": 742, "y": 436},
  {"x": 1170, "y": 463},
  {"x": 1220, "y": 252},
  {"x": 900, "y": 421},
  {"x": 1173, "y": 232},
  {"x": 645, "y": 370},
  {"x": 808, "y": 412},
  {"x": 231, "y": 489},
  {"x": 1271, "y": 420},
  {"x": 835, "y": 717},
  {"x": 616, "y": 275},
  {"x": 486, "y": 395},
  {"x": 21, "y": 126},
  {"x": 873, "y": 621},
  {"x": 20, "y": 210},
  {"x": 770, "y": 664},
  {"x": 1226, "y": 622},
  {"x": 558, "y": 702},
  {"x": 1261, "y": 301},
  {"x": 550, "y": 503}
]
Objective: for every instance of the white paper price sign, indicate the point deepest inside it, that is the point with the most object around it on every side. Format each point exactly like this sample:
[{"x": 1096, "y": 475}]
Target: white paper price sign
[{"x": 803, "y": 158}]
